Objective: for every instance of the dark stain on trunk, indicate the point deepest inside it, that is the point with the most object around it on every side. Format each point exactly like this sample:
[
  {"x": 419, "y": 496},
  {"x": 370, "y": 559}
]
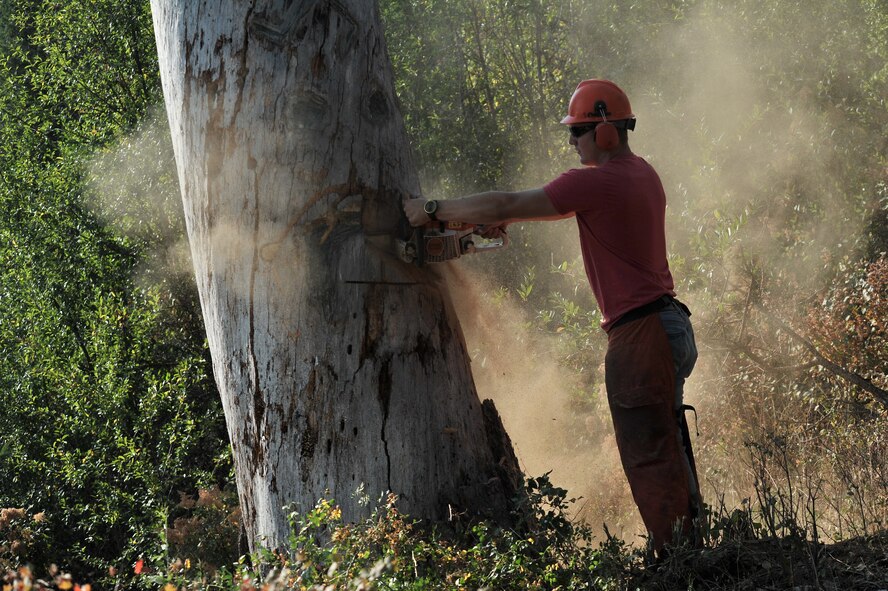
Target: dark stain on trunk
[
  {"x": 310, "y": 434},
  {"x": 373, "y": 322},
  {"x": 307, "y": 450},
  {"x": 319, "y": 66},
  {"x": 425, "y": 349}
]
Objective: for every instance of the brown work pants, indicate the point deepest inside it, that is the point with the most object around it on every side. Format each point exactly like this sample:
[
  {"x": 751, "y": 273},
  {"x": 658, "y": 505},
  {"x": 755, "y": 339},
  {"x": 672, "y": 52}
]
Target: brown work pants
[{"x": 640, "y": 380}]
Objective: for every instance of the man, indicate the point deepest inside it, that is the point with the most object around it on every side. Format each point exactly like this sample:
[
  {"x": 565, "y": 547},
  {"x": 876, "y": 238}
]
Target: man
[{"x": 619, "y": 204}]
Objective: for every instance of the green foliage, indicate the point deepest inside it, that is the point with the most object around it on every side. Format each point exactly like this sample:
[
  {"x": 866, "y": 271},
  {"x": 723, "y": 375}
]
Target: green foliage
[
  {"x": 478, "y": 83},
  {"x": 391, "y": 551},
  {"x": 107, "y": 407},
  {"x": 543, "y": 550},
  {"x": 205, "y": 531}
]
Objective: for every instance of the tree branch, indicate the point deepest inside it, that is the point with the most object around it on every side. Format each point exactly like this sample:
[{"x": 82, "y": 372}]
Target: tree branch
[{"x": 878, "y": 393}]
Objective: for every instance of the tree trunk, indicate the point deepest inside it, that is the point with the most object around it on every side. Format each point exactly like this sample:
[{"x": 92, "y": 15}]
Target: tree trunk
[{"x": 338, "y": 365}]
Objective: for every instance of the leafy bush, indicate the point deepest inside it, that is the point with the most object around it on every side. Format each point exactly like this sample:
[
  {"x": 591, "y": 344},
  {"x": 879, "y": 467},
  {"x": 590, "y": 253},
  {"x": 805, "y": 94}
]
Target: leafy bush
[
  {"x": 545, "y": 550},
  {"x": 107, "y": 406},
  {"x": 391, "y": 551}
]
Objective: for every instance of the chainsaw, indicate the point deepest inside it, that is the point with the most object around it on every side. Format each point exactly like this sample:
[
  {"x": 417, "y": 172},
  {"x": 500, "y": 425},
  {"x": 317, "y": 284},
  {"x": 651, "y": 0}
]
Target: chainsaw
[{"x": 439, "y": 241}]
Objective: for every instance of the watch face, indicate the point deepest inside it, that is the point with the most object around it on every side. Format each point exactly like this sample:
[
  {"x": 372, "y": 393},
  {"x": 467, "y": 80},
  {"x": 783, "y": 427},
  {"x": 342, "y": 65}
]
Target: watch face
[{"x": 430, "y": 207}]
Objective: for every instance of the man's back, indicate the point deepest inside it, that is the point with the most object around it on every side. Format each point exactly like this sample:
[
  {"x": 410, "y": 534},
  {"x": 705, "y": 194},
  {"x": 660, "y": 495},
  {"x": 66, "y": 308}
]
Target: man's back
[{"x": 620, "y": 208}]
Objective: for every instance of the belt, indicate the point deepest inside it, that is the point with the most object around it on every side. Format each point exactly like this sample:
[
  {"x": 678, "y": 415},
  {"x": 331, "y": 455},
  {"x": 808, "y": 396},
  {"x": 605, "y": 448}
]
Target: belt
[{"x": 648, "y": 309}]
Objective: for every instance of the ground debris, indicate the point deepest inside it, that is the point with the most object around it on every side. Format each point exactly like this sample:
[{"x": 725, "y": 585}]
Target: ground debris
[{"x": 774, "y": 564}]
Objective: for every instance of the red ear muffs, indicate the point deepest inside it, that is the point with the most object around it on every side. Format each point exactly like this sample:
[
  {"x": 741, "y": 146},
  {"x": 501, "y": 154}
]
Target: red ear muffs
[{"x": 606, "y": 136}]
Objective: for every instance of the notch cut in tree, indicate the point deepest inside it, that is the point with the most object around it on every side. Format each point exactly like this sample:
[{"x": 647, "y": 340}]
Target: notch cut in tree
[{"x": 338, "y": 365}]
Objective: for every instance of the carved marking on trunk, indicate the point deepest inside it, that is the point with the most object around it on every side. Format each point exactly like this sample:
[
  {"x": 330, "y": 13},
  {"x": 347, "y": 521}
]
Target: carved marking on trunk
[
  {"x": 286, "y": 32},
  {"x": 330, "y": 216},
  {"x": 310, "y": 110}
]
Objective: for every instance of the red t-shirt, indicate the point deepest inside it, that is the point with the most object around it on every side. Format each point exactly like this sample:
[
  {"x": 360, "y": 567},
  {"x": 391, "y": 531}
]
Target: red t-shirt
[{"x": 620, "y": 209}]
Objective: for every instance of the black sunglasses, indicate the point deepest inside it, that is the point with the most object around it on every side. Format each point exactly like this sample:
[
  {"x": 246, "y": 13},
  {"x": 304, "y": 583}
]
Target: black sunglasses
[{"x": 579, "y": 130}]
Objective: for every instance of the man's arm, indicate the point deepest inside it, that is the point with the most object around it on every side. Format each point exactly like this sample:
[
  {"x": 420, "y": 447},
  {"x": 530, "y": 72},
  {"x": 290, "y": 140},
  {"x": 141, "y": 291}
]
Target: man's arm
[{"x": 492, "y": 208}]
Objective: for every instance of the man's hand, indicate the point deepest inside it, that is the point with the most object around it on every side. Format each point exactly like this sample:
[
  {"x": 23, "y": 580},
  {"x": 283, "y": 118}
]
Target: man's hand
[
  {"x": 493, "y": 232},
  {"x": 415, "y": 213}
]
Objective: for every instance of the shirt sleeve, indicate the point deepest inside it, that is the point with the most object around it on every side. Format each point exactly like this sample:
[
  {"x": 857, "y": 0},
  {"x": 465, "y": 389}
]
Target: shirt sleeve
[{"x": 569, "y": 192}]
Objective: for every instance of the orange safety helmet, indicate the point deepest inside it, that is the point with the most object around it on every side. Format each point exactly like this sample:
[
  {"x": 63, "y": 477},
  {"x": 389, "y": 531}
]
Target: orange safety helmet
[
  {"x": 601, "y": 102},
  {"x": 594, "y": 96}
]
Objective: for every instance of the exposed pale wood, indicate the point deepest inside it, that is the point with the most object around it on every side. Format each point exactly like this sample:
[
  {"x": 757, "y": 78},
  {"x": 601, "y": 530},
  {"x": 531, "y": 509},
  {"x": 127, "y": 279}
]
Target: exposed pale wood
[{"x": 337, "y": 364}]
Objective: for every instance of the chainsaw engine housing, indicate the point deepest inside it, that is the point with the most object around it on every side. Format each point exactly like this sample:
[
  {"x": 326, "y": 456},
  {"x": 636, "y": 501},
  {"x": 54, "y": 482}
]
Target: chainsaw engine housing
[{"x": 443, "y": 241}]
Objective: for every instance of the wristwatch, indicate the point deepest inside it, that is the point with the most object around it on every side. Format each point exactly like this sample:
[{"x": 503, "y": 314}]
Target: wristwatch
[{"x": 431, "y": 207}]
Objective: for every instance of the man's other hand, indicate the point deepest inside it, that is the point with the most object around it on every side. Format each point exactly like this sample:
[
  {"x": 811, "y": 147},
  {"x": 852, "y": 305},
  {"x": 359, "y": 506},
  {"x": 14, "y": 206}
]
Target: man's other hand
[{"x": 493, "y": 232}]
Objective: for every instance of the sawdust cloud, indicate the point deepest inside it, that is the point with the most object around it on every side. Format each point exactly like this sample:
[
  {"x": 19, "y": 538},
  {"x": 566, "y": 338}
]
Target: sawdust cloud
[
  {"x": 133, "y": 187},
  {"x": 708, "y": 129},
  {"x": 703, "y": 132},
  {"x": 515, "y": 367}
]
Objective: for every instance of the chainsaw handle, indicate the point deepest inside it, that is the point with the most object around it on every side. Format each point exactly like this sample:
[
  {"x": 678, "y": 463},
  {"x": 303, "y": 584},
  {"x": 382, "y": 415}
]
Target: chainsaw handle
[
  {"x": 491, "y": 232},
  {"x": 470, "y": 246}
]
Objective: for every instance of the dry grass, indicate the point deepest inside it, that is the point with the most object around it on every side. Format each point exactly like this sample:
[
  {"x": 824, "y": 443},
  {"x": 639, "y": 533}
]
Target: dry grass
[{"x": 860, "y": 564}]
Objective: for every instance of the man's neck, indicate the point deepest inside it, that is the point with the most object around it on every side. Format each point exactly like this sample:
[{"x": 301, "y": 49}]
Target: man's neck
[{"x": 622, "y": 150}]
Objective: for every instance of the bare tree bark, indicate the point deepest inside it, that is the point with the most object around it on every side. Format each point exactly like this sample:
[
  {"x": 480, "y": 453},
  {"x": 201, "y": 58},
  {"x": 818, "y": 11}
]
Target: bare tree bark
[{"x": 338, "y": 365}]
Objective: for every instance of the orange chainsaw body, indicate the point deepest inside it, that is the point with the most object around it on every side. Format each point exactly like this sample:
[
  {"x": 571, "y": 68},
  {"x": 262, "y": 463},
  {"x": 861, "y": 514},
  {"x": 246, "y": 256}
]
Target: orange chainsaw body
[{"x": 437, "y": 242}]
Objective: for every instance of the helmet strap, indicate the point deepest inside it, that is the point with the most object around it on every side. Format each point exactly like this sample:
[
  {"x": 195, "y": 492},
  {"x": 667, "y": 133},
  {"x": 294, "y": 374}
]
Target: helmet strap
[{"x": 606, "y": 136}]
